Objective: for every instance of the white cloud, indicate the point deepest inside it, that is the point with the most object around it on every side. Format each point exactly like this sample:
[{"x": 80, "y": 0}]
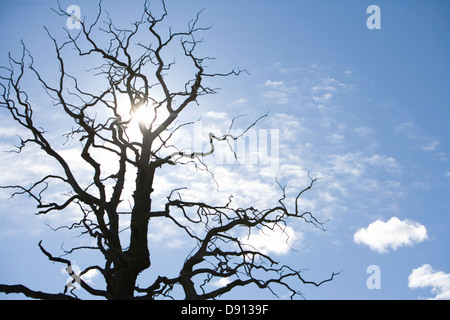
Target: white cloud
[
  {"x": 324, "y": 88},
  {"x": 216, "y": 115},
  {"x": 280, "y": 97},
  {"x": 425, "y": 276},
  {"x": 284, "y": 70},
  {"x": 336, "y": 138},
  {"x": 325, "y": 97},
  {"x": 347, "y": 164},
  {"x": 389, "y": 163},
  {"x": 363, "y": 131},
  {"x": 279, "y": 92},
  {"x": 12, "y": 132},
  {"x": 432, "y": 146},
  {"x": 89, "y": 276},
  {"x": 355, "y": 163},
  {"x": 161, "y": 231},
  {"x": 73, "y": 275},
  {"x": 222, "y": 282},
  {"x": 272, "y": 239},
  {"x": 273, "y": 84},
  {"x": 414, "y": 134},
  {"x": 380, "y": 236},
  {"x": 405, "y": 128},
  {"x": 240, "y": 101},
  {"x": 249, "y": 188}
]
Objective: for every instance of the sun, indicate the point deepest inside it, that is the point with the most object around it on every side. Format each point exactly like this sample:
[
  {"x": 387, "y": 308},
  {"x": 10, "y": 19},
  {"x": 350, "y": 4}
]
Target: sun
[{"x": 142, "y": 116}]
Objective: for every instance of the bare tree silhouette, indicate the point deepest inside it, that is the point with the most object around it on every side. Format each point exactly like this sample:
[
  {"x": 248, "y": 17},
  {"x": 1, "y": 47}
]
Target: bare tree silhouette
[{"x": 137, "y": 70}]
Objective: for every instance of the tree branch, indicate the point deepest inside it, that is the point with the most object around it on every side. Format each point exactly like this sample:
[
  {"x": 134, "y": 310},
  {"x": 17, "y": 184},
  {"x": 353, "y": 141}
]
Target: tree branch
[{"x": 34, "y": 294}]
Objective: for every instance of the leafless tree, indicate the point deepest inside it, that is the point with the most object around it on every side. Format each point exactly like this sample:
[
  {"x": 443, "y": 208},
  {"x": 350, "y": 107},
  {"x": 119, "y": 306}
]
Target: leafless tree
[{"x": 136, "y": 66}]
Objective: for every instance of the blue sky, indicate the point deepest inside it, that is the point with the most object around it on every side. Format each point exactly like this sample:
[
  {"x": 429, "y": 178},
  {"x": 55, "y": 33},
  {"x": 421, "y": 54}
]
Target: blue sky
[{"x": 367, "y": 110}]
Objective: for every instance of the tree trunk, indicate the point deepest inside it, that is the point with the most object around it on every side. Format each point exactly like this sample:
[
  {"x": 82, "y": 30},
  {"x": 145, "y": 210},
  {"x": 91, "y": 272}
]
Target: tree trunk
[{"x": 137, "y": 257}]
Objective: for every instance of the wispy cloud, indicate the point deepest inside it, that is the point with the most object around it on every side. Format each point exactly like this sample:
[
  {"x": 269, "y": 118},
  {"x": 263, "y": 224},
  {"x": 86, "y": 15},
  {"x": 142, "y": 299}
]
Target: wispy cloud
[
  {"x": 355, "y": 163},
  {"x": 405, "y": 128},
  {"x": 323, "y": 87},
  {"x": 364, "y": 131},
  {"x": 413, "y": 133},
  {"x": 278, "y": 96},
  {"x": 347, "y": 72},
  {"x": 273, "y": 84},
  {"x": 216, "y": 115},
  {"x": 239, "y": 102},
  {"x": 167, "y": 234},
  {"x": 278, "y": 91},
  {"x": 285, "y": 70},
  {"x": 326, "y": 96},
  {"x": 432, "y": 146}
]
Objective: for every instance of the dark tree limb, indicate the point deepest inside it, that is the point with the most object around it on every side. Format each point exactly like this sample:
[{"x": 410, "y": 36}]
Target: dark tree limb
[{"x": 34, "y": 294}]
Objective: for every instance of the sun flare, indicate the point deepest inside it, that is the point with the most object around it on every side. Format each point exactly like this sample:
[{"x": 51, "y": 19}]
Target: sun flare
[{"x": 143, "y": 115}]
